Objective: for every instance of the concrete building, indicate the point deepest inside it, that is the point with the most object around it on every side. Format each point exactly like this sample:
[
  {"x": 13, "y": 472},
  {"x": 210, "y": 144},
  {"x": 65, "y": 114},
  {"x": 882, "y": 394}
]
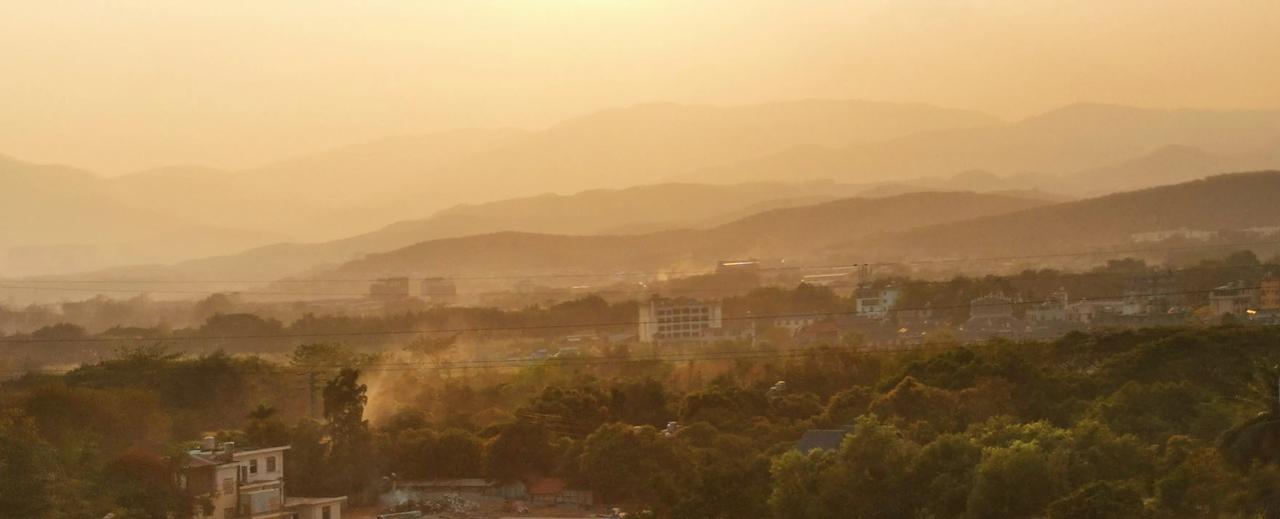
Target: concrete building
[
  {"x": 1269, "y": 293},
  {"x": 1234, "y": 298},
  {"x": 248, "y": 484},
  {"x": 667, "y": 319},
  {"x": 439, "y": 291},
  {"x": 875, "y": 303},
  {"x": 388, "y": 289},
  {"x": 1052, "y": 310},
  {"x": 796, "y": 323}
]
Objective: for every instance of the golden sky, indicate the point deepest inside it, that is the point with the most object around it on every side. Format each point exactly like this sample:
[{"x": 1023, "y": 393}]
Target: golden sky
[{"x": 117, "y": 86}]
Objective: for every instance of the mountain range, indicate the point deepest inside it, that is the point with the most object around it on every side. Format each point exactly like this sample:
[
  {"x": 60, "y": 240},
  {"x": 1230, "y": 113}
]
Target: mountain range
[{"x": 315, "y": 211}]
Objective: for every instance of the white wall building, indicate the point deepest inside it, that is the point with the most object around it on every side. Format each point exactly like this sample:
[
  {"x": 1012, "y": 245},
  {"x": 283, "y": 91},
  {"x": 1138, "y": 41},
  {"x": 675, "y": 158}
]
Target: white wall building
[
  {"x": 663, "y": 319},
  {"x": 249, "y": 484},
  {"x": 875, "y": 302}
]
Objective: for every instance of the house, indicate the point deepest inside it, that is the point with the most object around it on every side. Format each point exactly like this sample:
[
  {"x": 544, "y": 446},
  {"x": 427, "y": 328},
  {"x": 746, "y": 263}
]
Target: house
[
  {"x": 1233, "y": 298},
  {"x": 875, "y": 303},
  {"x": 678, "y": 319},
  {"x": 248, "y": 483}
]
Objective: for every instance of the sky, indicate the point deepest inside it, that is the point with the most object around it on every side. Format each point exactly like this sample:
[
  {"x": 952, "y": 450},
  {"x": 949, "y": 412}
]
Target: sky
[{"x": 125, "y": 85}]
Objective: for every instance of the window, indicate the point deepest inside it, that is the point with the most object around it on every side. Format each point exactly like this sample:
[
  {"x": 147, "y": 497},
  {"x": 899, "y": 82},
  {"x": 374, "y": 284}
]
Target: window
[
  {"x": 253, "y": 466},
  {"x": 244, "y": 473},
  {"x": 271, "y": 463},
  {"x": 325, "y": 513},
  {"x": 229, "y": 513},
  {"x": 228, "y": 485}
]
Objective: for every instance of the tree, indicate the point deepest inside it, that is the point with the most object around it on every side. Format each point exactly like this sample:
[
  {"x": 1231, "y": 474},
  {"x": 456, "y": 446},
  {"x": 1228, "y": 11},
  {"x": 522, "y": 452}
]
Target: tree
[
  {"x": 634, "y": 464},
  {"x": 264, "y": 429},
  {"x": 27, "y": 470},
  {"x": 1099, "y": 500},
  {"x": 942, "y": 475},
  {"x": 1013, "y": 482},
  {"x": 520, "y": 449},
  {"x": 350, "y": 441}
]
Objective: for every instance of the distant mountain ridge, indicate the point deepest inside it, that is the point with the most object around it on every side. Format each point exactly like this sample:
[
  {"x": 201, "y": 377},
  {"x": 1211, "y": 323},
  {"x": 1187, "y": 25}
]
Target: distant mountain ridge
[
  {"x": 1232, "y": 201},
  {"x": 787, "y": 232}
]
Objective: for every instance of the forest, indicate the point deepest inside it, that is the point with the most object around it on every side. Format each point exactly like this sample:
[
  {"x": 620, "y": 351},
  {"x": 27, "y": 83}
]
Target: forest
[{"x": 1161, "y": 422}]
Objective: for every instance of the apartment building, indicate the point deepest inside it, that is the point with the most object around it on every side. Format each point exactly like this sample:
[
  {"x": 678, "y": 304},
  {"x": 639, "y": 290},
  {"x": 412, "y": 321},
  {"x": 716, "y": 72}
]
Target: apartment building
[{"x": 679, "y": 319}]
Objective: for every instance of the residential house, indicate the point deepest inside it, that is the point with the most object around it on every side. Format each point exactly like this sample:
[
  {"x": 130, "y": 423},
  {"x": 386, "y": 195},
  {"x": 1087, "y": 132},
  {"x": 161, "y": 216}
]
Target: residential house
[{"x": 248, "y": 483}]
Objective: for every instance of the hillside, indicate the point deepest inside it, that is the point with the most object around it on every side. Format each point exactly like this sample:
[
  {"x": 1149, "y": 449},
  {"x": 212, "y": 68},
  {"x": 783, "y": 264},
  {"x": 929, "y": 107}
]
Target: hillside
[
  {"x": 790, "y": 233},
  {"x": 338, "y": 193},
  {"x": 1060, "y": 143},
  {"x": 1233, "y": 201}
]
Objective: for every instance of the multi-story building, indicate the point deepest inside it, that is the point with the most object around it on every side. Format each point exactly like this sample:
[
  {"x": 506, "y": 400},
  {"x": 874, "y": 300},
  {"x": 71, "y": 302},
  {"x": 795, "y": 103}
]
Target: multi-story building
[
  {"x": 248, "y": 484},
  {"x": 681, "y": 319},
  {"x": 1234, "y": 298},
  {"x": 389, "y": 288},
  {"x": 1269, "y": 293},
  {"x": 875, "y": 303},
  {"x": 439, "y": 291}
]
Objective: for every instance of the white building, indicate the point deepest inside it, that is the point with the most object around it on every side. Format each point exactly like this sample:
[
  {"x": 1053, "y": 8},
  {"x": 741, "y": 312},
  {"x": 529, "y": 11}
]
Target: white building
[
  {"x": 664, "y": 319},
  {"x": 794, "y": 324},
  {"x": 875, "y": 303},
  {"x": 248, "y": 484}
]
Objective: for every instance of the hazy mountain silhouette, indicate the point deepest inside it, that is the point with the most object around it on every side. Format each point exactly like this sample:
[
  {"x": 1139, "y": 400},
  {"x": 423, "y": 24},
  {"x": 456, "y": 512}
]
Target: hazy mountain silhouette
[
  {"x": 1053, "y": 146},
  {"x": 789, "y": 232},
  {"x": 1232, "y": 202}
]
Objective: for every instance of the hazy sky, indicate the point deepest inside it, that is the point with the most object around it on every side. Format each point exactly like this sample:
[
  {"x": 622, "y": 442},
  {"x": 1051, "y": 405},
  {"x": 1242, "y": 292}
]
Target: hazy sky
[{"x": 122, "y": 85}]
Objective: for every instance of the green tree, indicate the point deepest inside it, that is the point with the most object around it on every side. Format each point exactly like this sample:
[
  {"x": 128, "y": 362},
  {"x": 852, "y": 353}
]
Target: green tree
[
  {"x": 634, "y": 464},
  {"x": 1013, "y": 482},
  {"x": 520, "y": 449},
  {"x": 350, "y": 439},
  {"x": 1099, "y": 500}
]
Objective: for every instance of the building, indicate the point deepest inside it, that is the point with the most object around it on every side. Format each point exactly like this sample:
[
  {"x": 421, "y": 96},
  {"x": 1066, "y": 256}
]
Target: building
[
  {"x": 388, "y": 289},
  {"x": 248, "y": 484},
  {"x": 750, "y": 266},
  {"x": 1269, "y": 293},
  {"x": 439, "y": 291},
  {"x": 796, "y": 323},
  {"x": 1052, "y": 310},
  {"x": 875, "y": 302},
  {"x": 992, "y": 315},
  {"x": 1235, "y": 298},
  {"x": 679, "y": 319}
]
